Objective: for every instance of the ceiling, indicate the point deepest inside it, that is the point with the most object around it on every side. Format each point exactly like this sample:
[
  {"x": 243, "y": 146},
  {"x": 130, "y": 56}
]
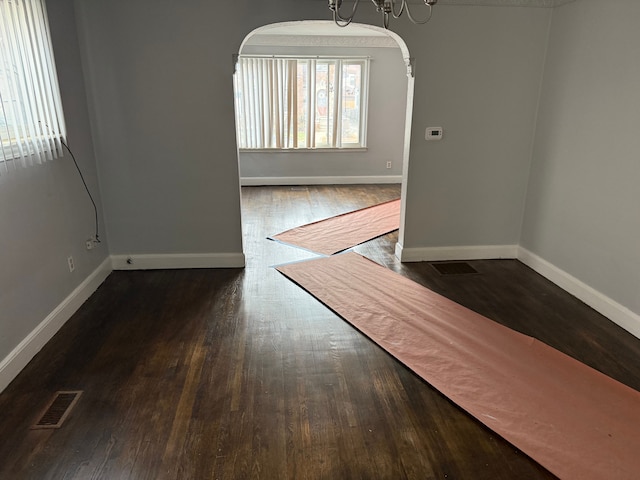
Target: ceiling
[
  {"x": 495, "y": 3},
  {"x": 330, "y": 29}
]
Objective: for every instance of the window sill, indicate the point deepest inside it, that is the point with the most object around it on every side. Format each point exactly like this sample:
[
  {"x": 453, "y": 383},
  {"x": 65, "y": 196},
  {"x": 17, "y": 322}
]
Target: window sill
[
  {"x": 9, "y": 150},
  {"x": 304, "y": 150}
]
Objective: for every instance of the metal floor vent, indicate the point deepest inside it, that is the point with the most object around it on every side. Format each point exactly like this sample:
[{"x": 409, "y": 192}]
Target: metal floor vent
[
  {"x": 454, "y": 268},
  {"x": 299, "y": 189},
  {"x": 58, "y": 409}
]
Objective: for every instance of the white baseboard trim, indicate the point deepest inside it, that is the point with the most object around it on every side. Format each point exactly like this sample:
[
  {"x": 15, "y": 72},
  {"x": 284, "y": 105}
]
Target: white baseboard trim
[
  {"x": 13, "y": 364},
  {"x": 434, "y": 254},
  {"x": 179, "y": 260},
  {"x": 617, "y": 313},
  {"x": 611, "y": 309},
  {"x": 340, "y": 180}
]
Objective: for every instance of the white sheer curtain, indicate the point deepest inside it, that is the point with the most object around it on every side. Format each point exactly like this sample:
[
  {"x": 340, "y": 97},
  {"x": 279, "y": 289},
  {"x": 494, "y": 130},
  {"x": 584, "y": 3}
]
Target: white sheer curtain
[
  {"x": 32, "y": 128},
  {"x": 266, "y": 102},
  {"x": 301, "y": 102}
]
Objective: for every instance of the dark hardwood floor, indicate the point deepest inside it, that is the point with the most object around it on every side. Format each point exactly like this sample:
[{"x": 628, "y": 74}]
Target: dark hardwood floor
[{"x": 240, "y": 374}]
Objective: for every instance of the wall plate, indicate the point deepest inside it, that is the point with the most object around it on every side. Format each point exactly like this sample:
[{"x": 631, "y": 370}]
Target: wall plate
[{"x": 433, "y": 133}]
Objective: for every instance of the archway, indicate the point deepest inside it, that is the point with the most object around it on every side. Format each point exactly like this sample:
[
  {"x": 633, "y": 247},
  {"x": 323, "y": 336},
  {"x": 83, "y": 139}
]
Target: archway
[{"x": 306, "y": 33}]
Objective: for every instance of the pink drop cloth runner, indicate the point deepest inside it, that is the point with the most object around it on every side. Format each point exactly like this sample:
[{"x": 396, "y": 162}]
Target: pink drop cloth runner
[
  {"x": 338, "y": 233},
  {"x": 573, "y": 420}
]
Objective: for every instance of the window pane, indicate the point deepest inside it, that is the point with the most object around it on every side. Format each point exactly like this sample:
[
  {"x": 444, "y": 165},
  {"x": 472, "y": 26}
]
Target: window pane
[
  {"x": 303, "y": 102},
  {"x": 31, "y": 121},
  {"x": 312, "y": 103},
  {"x": 323, "y": 104},
  {"x": 8, "y": 105},
  {"x": 331, "y": 100},
  {"x": 351, "y": 88}
]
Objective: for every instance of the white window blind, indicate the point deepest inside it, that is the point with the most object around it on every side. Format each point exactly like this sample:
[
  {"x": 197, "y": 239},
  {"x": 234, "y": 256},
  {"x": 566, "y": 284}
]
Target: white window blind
[
  {"x": 32, "y": 125},
  {"x": 288, "y": 103}
]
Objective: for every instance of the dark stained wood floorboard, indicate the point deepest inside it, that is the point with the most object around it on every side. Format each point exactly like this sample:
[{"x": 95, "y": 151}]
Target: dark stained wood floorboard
[{"x": 239, "y": 374}]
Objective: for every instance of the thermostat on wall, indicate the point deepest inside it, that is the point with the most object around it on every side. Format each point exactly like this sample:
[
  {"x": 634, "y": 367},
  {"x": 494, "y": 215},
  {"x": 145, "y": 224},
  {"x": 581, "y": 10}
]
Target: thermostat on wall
[{"x": 433, "y": 133}]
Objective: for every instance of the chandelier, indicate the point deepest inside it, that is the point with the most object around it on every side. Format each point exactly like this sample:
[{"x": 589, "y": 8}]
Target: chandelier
[{"x": 387, "y": 8}]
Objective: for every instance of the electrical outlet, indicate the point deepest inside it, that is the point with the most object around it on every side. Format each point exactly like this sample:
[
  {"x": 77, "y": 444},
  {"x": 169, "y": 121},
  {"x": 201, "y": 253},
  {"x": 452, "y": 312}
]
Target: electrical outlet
[
  {"x": 91, "y": 242},
  {"x": 72, "y": 265},
  {"x": 388, "y": 164}
]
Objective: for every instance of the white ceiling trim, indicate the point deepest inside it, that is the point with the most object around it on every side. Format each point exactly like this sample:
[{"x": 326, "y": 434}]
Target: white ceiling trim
[{"x": 322, "y": 41}]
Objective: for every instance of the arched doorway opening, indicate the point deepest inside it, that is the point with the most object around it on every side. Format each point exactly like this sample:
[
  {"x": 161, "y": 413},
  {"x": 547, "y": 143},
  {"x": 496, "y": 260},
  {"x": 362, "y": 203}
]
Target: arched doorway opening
[{"x": 384, "y": 157}]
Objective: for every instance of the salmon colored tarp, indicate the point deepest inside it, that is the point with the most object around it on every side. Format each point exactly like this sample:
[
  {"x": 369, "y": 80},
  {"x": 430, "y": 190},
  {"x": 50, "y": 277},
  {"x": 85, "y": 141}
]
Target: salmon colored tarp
[
  {"x": 344, "y": 231},
  {"x": 573, "y": 420}
]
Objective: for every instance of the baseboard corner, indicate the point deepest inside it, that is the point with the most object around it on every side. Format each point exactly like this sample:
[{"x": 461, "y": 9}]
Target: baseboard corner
[{"x": 614, "y": 311}]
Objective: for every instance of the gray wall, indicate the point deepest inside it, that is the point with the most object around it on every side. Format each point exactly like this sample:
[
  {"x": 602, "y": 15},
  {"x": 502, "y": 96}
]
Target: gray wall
[
  {"x": 583, "y": 202},
  {"x": 386, "y": 123},
  {"x": 45, "y": 214},
  {"x": 478, "y": 76},
  {"x": 160, "y": 77},
  {"x": 162, "y": 88}
]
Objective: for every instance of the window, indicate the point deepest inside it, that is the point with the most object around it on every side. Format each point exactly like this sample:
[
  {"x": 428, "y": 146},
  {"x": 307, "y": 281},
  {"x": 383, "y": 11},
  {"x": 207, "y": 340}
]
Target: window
[
  {"x": 288, "y": 103},
  {"x": 32, "y": 126}
]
